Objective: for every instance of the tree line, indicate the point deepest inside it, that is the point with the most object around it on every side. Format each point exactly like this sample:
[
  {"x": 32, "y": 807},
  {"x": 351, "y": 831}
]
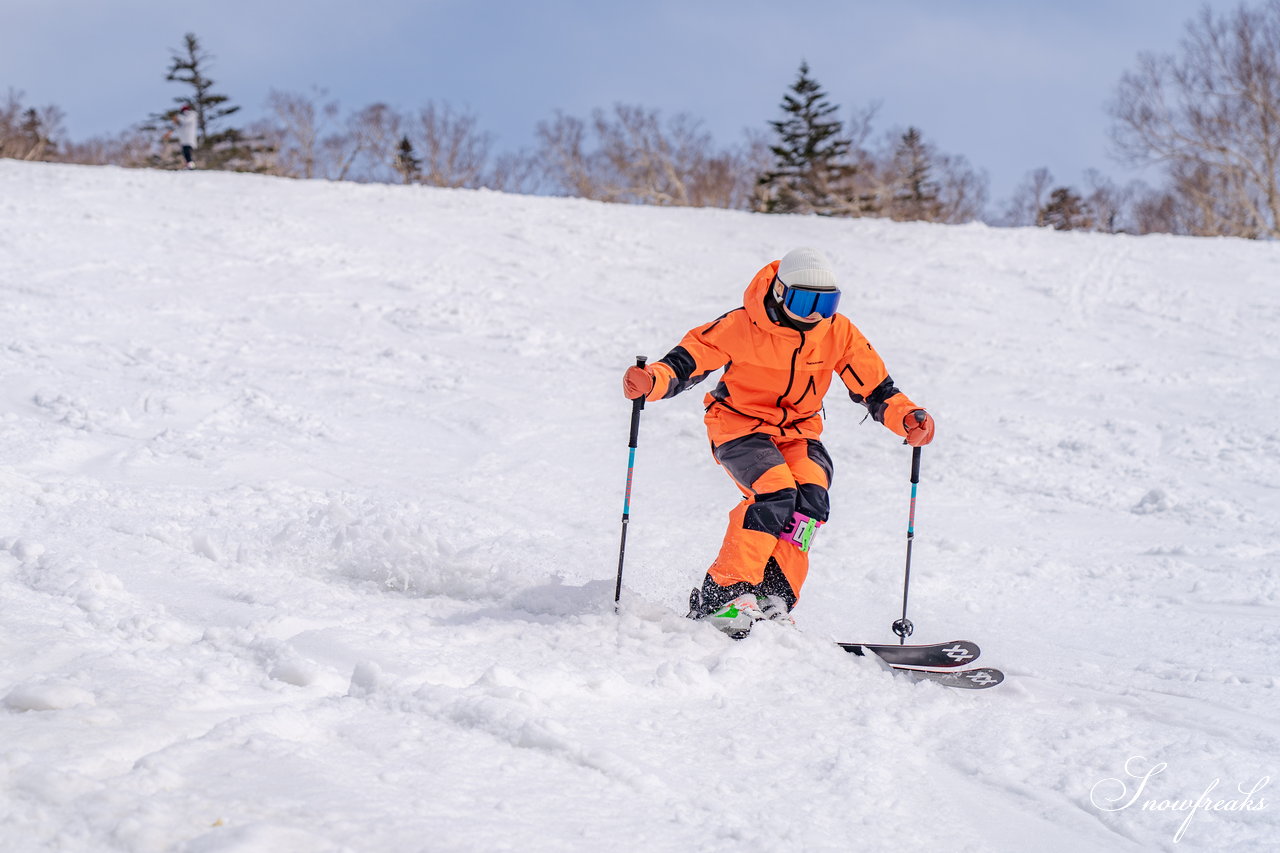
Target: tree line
[{"x": 1207, "y": 116}]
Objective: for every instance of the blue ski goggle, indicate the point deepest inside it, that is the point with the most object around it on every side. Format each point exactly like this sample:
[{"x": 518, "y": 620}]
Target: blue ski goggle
[{"x": 803, "y": 302}]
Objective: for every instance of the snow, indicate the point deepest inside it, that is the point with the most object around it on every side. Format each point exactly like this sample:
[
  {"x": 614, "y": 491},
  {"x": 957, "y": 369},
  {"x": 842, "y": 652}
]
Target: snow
[{"x": 311, "y": 497}]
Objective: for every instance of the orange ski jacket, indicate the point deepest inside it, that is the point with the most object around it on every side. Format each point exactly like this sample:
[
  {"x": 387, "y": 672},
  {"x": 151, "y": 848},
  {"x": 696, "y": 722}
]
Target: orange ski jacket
[{"x": 775, "y": 376}]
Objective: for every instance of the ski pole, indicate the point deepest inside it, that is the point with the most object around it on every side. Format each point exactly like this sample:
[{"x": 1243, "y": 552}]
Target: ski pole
[
  {"x": 903, "y": 626},
  {"x": 636, "y": 406}
]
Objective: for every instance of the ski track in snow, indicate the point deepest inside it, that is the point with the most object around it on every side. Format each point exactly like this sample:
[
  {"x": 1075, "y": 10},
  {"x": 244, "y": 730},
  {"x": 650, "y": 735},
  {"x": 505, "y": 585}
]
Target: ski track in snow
[{"x": 311, "y": 499}]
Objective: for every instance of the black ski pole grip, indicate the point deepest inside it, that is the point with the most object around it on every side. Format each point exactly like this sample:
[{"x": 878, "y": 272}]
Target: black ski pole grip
[
  {"x": 915, "y": 465},
  {"x": 636, "y": 405}
]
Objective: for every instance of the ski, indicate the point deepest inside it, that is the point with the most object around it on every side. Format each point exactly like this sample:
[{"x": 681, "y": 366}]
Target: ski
[
  {"x": 954, "y": 653},
  {"x": 967, "y": 679}
]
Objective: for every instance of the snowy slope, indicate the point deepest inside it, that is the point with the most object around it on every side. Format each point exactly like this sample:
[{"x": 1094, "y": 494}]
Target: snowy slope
[{"x": 311, "y": 499}]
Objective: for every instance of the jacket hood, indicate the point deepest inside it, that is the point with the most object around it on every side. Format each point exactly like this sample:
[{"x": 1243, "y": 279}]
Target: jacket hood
[
  {"x": 753, "y": 301},
  {"x": 753, "y": 296}
]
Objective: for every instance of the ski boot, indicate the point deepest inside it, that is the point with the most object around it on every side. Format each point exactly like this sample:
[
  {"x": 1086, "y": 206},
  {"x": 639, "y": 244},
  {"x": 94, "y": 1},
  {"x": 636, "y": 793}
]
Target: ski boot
[
  {"x": 774, "y": 595},
  {"x": 774, "y": 608},
  {"x": 733, "y": 616}
]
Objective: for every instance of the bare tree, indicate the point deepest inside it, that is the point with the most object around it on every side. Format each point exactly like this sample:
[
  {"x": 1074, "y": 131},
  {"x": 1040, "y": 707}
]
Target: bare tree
[
  {"x": 1157, "y": 211},
  {"x": 440, "y": 146},
  {"x": 965, "y": 190},
  {"x": 1029, "y": 199},
  {"x": 132, "y": 148},
  {"x": 637, "y": 161},
  {"x": 31, "y": 133},
  {"x": 755, "y": 155},
  {"x": 455, "y": 152},
  {"x": 28, "y": 133},
  {"x": 515, "y": 172},
  {"x": 296, "y": 128},
  {"x": 1208, "y": 201},
  {"x": 1212, "y": 115},
  {"x": 567, "y": 165},
  {"x": 649, "y": 161},
  {"x": 1101, "y": 206},
  {"x": 727, "y": 177},
  {"x": 1106, "y": 205},
  {"x": 631, "y": 154},
  {"x": 366, "y": 149}
]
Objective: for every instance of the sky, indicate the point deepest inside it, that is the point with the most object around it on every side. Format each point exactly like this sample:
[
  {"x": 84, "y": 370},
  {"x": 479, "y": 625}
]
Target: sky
[{"x": 1012, "y": 85}]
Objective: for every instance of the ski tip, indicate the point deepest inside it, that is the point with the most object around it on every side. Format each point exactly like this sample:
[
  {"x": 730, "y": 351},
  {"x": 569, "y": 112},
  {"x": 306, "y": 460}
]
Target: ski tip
[
  {"x": 958, "y": 651},
  {"x": 981, "y": 678}
]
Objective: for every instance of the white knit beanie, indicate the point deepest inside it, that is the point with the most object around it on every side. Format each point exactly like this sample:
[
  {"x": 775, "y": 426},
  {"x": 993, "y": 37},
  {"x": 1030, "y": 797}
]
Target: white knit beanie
[{"x": 807, "y": 268}]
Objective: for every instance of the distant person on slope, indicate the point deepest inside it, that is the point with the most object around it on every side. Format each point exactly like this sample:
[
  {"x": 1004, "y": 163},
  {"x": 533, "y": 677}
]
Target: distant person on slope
[
  {"x": 764, "y": 419},
  {"x": 185, "y": 123}
]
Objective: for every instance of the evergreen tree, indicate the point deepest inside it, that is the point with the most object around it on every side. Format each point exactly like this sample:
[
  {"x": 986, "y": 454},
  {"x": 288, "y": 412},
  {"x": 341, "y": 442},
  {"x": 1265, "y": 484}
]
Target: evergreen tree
[
  {"x": 812, "y": 171},
  {"x": 36, "y": 135},
  {"x": 915, "y": 194},
  {"x": 407, "y": 163},
  {"x": 1064, "y": 211},
  {"x": 218, "y": 147}
]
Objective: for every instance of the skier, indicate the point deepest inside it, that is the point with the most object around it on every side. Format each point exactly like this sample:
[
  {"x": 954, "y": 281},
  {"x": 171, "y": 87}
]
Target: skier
[
  {"x": 779, "y": 351},
  {"x": 185, "y": 121}
]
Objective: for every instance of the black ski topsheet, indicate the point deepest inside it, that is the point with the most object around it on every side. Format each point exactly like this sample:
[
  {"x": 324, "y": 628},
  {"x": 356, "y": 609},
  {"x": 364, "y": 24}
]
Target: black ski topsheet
[
  {"x": 952, "y": 654},
  {"x": 979, "y": 678}
]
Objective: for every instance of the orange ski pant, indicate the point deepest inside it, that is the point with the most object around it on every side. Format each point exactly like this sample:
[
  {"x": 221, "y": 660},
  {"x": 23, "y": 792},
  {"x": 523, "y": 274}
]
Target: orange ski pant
[{"x": 778, "y": 477}]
